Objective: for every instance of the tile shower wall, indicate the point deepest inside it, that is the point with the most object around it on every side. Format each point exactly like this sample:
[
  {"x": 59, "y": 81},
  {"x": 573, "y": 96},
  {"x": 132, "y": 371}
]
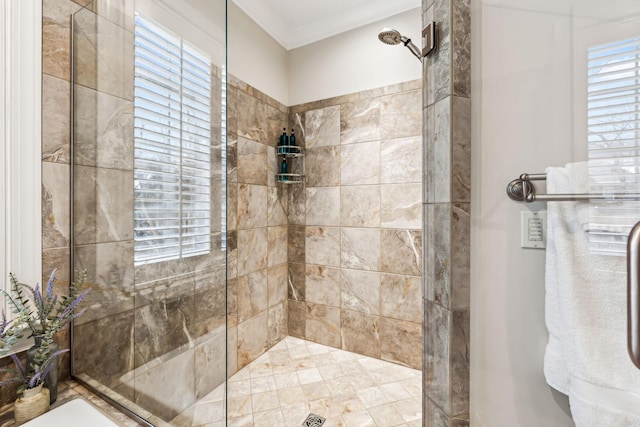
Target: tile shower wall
[
  {"x": 355, "y": 239},
  {"x": 256, "y": 225},
  {"x": 447, "y": 215}
]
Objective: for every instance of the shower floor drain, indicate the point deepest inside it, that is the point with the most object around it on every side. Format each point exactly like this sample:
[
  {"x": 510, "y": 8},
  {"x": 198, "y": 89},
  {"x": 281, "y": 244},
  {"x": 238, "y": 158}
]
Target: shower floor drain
[{"x": 313, "y": 420}]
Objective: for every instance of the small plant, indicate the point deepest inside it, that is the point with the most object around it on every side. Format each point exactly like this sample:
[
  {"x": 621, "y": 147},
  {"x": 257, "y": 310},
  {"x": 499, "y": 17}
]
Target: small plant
[{"x": 42, "y": 314}]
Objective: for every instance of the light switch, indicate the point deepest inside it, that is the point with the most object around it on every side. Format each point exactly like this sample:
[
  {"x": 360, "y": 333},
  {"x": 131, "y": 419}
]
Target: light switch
[{"x": 533, "y": 226}]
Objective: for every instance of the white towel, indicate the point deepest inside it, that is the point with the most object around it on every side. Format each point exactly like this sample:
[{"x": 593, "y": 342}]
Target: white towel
[{"x": 585, "y": 311}]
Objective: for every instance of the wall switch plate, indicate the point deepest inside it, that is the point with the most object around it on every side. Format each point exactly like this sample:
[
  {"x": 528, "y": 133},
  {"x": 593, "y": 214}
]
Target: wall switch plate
[{"x": 533, "y": 229}]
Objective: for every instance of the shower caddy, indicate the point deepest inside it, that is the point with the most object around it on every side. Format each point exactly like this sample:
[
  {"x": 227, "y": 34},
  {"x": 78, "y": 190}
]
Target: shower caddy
[{"x": 294, "y": 155}]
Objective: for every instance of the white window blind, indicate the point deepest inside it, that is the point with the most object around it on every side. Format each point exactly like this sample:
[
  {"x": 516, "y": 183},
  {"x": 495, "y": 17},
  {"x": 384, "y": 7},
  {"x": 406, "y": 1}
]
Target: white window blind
[
  {"x": 614, "y": 135},
  {"x": 172, "y": 161}
]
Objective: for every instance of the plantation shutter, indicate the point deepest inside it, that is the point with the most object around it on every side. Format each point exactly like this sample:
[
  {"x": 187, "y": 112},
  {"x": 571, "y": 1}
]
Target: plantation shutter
[
  {"x": 172, "y": 160},
  {"x": 614, "y": 135}
]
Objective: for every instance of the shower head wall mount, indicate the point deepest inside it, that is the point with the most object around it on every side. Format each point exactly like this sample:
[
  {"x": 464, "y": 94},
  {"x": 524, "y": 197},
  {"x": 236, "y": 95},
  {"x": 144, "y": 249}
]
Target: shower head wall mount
[{"x": 393, "y": 37}]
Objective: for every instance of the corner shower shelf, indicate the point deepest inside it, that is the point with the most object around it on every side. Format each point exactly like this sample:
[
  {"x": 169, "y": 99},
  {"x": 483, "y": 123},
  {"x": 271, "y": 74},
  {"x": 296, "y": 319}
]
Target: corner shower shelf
[{"x": 291, "y": 152}]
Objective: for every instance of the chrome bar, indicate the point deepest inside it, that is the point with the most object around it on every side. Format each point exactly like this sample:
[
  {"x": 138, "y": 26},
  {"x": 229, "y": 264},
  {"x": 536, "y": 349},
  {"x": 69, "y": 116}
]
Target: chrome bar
[
  {"x": 522, "y": 190},
  {"x": 633, "y": 295}
]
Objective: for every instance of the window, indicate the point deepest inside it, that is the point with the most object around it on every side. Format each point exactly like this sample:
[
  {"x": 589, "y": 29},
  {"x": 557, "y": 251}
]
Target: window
[
  {"x": 172, "y": 160},
  {"x": 613, "y": 108}
]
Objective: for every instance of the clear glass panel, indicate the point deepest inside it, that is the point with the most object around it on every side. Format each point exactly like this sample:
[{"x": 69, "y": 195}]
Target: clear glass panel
[
  {"x": 556, "y": 93},
  {"x": 149, "y": 178}
]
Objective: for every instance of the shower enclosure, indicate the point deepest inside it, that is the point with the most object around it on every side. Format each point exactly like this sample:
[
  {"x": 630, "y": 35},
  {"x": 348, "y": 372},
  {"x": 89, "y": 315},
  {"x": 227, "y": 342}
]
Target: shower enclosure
[{"x": 149, "y": 192}]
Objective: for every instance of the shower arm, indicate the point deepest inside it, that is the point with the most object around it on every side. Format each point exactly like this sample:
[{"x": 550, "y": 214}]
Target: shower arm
[{"x": 412, "y": 47}]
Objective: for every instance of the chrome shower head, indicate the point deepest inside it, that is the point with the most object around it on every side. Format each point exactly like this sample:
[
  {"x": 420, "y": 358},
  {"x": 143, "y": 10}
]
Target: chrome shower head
[{"x": 392, "y": 37}]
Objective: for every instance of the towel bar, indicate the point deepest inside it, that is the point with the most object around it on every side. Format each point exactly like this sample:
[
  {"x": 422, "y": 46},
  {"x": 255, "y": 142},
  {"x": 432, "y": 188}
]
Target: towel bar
[{"x": 522, "y": 190}]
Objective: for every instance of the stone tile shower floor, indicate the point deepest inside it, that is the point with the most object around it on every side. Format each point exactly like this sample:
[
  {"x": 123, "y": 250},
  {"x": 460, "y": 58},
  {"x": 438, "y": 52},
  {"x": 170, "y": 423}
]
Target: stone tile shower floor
[{"x": 298, "y": 377}]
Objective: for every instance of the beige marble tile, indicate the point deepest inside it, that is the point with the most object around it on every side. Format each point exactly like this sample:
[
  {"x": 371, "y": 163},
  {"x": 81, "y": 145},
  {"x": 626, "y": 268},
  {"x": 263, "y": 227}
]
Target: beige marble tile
[
  {"x": 232, "y": 206},
  {"x": 277, "y": 323},
  {"x": 401, "y": 342},
  {"x": 297, "y": 318},
  {"x": 252, "y": 203},
  {"x": 401, "y": 297},
  {"x": 360, "y": 206},
  {"x": 252, "y": 294},
  {"x": 401, "y": 160},
  {"x": 322, "y": 127},
  {"x": 322, "y": 166},
  {"x": 401, "y": 115},
  {"x": 296, "y": 289},
  {"x": 56, "y": 123},
  {"x": 252, "y": 162},
  {"x": 277, "y": 206},
  {"x": 277, "y": 284},
  {"x": 401, "y": 251},
  {"x": 323, "y": 324},
  {"x": 56, "y": 36},
  {"x": 360, "y": 163},
  {"x": 360, "y": 121},
  {"x": 55, "y": 205},
  {"x": 323, "y": 206},
  {"x": 360, "y": 291},
  {"x": 209, "y": 369},
  {"x": 360, "y": 333},
  {"x": 252, "y": 118},
  {"x": 252, "y": 250},
  {"x": 252, "y": 339},
  {"x": 323, "y": 246},
  {"x": 323, "y": 285},
  {"x": 360, "y": 248},
  {"x": 277, "y": 245},
  {"x": 401, "y": 206}
]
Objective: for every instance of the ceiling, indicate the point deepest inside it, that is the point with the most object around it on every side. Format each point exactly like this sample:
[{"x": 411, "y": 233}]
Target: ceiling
[{"x": 295, "y": 23}]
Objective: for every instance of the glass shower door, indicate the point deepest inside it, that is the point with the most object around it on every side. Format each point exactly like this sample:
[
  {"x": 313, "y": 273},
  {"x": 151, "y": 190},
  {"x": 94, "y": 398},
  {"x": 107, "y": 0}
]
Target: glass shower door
[{"x": 149, "y": 205}]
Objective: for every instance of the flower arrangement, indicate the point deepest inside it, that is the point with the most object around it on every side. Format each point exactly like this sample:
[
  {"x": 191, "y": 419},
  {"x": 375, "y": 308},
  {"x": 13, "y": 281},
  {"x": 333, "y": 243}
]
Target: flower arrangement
[{"x": 43, "y": 314}]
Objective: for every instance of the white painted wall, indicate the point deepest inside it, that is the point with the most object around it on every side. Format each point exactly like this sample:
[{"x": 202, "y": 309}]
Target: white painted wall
[
  {"x": 255, "y": 57},
  {"x": 525, "y": 117},
  {"x": 354, "y": 61}
]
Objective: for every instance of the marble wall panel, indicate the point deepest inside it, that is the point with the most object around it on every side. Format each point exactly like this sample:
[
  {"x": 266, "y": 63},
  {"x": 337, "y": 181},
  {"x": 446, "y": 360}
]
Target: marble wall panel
[
  {"x": 277, "y": 284},
  {"x": 277, "y": 206},
  {"x": 296, "y": 283},
  {"x": 252, "y": 162},
  {"x": 277, "y": 323},
  {"x": 210, "y": 309},
  {"x": 210, "y": 371},
  {"x": 273, "y": 167},
  {"x": 252, "y": 118},
  {"x": 323, "y": 324},
  {"x": 108, "y": 339},
  {"x": 360, "y": 121},
  {"x": 360, "y": 291},
  {"x": 323, "y": 206},
  {"x": 161, "y": 328},
  {"x": 401, "y": 342},
  {"x": 56, "y": 37},
  {"x": 252, "y": 295},
  {"x": 360, "y": 163},
  {"x": 440, "y": 155},
  {"x": 232, "y": 206},
  {"x": 169, "y": 388},
  {"x": 401, "y": 160},
  {"x": 401, "y": 297},
  {"x": 232, "y": 302},
  {"x": 461, "y": 150},
  {"x": 252, "y": 206},
  {"x": 296, "y": 244},
  {"x": 322, "y": 167},
  {"x": 56, "y": 108},
  {"x": 232, "y": 351},
  {"x": 401, "y": 251},
  {"x": 252, "y": 250},
  {"x": 103, "y": 205},
  {"x": 277, "y": 245},
  {"x": 323, "y": 285},
  {"x": 360, "y": 333},
  {"x": 360, "y": 206},
  {"x": 113, "y": 68},
  {"x": 401, "y": 206},
  {"x": 297, "y": 206},
  {"x": 110, "y": 276},
  {"x": 252, "y": 339},
  {"x": 401, "y": 115},
  {"x": 360, "y": 248},
  {"x": 322, "y": 246},
  {"x": 297, "y": 319},
  {"x": 232, "y": 151},
  {"x": 297, "y": 123},
  {"x": 277, "y": 118},
  {"x": 438, "y": 65},
  {"x": 120, "y": 12},
  {"x": 322, "y": 127},
  {"x": 55, "y": 205},
  {"x": 461, "y": 48}
]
